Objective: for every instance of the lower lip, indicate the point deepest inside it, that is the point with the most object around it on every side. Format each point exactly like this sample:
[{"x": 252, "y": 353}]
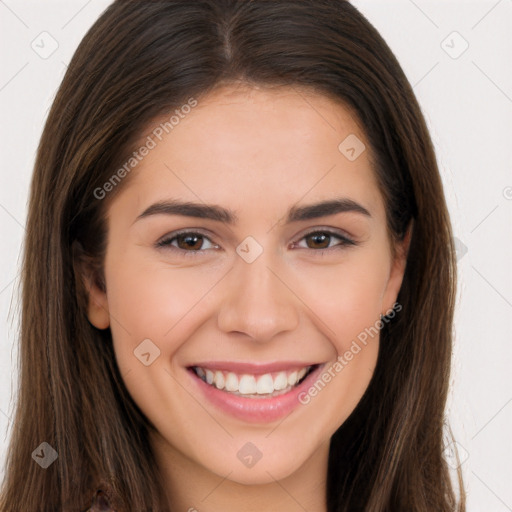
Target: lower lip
[{"x": 256, "y": 410}]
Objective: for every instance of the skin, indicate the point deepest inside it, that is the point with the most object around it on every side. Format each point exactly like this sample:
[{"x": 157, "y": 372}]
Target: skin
[{"x": 258, "y": 152}]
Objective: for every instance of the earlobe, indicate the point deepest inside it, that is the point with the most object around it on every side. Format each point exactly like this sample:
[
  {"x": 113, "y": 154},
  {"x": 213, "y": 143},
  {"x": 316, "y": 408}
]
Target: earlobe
[
  {"x": 97, "y": 305},
  {"x": 91, "y": 294},
  {"x": 397, "y": 271}
]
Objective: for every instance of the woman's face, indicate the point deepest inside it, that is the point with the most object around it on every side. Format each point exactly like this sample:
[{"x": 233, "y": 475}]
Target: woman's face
[{"x": 253, "y": 289}]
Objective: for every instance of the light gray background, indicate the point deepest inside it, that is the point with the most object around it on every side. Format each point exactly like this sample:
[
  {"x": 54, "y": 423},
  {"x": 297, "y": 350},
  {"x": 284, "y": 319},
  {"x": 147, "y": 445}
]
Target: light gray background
[{"x": 467, "y": 100}]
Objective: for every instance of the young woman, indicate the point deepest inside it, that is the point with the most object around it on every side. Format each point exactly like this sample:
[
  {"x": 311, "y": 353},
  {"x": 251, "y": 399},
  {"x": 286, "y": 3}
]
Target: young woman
[{"x": 238, "y": 276}]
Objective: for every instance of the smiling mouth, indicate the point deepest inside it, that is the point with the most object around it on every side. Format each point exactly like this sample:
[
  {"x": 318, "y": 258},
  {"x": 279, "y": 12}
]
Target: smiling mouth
[{"x": 248, "y": 385}]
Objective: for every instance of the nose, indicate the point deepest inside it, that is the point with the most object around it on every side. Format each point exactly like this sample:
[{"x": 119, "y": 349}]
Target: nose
[{"x": 259, "y": 301}]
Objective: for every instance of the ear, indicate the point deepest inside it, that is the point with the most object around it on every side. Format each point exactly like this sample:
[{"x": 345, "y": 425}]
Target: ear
[
  {"x": 397, "y": 271},
  {"x": 91, "y": 290}
]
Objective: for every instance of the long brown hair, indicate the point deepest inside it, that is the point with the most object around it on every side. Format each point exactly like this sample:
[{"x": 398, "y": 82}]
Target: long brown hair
[{"x": 142, "y": 60}]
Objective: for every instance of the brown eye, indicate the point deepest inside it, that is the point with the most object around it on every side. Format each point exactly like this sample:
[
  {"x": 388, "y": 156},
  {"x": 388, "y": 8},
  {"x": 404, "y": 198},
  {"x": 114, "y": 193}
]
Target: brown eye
[
  {"x": 186, "y": 242},
  {"x": 322, "y": 240},
  {"x": 190, "y": 241}
]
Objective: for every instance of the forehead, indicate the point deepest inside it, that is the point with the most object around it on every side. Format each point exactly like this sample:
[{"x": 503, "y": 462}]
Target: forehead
[{"x": 243, "y": 146}]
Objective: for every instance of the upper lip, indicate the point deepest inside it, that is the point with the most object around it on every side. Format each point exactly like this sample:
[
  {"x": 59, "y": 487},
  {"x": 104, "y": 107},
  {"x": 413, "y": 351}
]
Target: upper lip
[{"x": 253, "y": 368}]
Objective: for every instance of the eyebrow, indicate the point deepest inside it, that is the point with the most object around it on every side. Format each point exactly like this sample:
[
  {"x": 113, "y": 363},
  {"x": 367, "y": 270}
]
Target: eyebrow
[{"x": 220, "y": 214}]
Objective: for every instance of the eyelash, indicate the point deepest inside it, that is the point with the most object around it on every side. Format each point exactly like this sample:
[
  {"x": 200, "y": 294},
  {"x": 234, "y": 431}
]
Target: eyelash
[{"x": 166, "y": 241}]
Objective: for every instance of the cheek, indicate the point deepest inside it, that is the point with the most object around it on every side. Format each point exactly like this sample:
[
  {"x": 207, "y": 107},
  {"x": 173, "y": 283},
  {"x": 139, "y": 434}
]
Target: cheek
[
  {"x": 151, "y": 302},
  {"x": 154, "y": 301},
  {"x": 168, "y": 305},
  {"x": 346, "y": 298}
]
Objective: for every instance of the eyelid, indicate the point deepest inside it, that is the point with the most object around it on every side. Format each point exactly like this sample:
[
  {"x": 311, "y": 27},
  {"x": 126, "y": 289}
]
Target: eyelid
[
  {"x": 164, "y": 242},
  {"x": 346, "y": 239}
]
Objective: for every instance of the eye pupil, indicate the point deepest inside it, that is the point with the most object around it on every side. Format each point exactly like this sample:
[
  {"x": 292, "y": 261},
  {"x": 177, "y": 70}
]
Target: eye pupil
[
  {"x": 190, "y": 241},
  {"x": 319, "y": 238}
]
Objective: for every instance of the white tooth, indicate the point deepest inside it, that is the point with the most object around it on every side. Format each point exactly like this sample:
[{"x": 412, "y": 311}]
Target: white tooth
[
  {"x": 247, "y": 385},
  {"x": 219, "y": 380},
  {"x": 280, "y": 381},
  {"x": 301, "y": 373},
  {"x": 209, "y": 376},
  {"x": 200, "y": 372},
  {"x": 265, "y": 384},
  {"x": 231, "y": 382},
  {"x": 292, "y": 378}
]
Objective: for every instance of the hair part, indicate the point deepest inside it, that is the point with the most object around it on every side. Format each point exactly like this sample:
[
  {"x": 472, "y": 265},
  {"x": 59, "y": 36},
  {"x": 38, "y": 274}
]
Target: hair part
[{"x": 137, "y": 63}]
